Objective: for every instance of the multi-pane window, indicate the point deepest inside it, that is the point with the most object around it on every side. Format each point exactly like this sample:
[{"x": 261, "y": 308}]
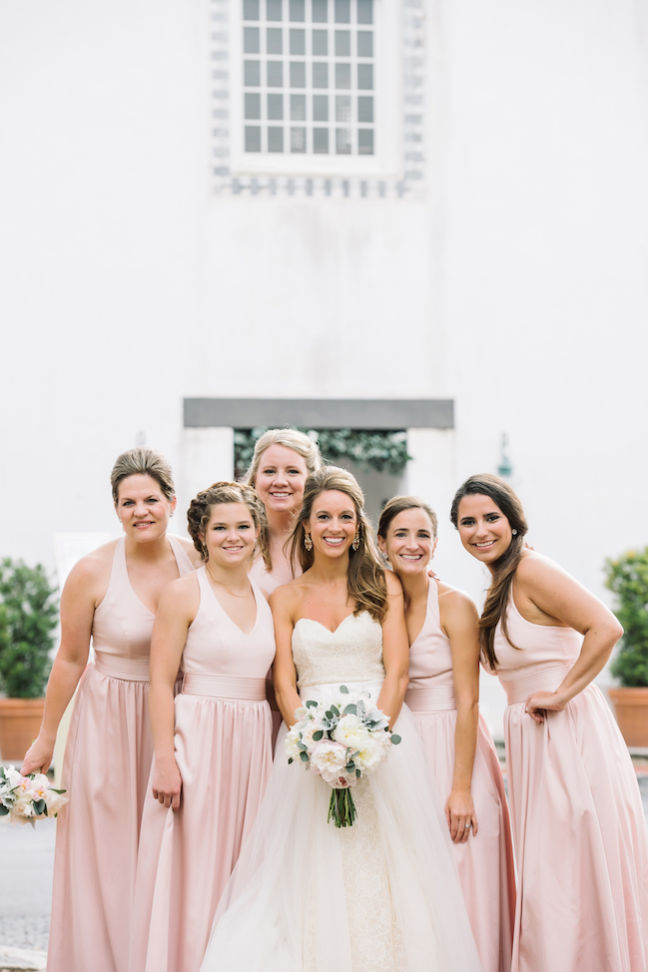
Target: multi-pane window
[{"x": 308, "y": 77}]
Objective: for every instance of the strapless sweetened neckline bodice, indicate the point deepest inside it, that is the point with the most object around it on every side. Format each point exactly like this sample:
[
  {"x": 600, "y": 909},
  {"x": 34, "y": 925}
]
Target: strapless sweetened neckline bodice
[{"x": 352, "y": 652}]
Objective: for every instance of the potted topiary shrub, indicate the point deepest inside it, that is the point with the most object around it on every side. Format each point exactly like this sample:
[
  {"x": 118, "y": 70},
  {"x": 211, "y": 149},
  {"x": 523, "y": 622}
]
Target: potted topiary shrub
[
  {"x": 28, "y": 619},
  {"x": 627, "y": 577}
]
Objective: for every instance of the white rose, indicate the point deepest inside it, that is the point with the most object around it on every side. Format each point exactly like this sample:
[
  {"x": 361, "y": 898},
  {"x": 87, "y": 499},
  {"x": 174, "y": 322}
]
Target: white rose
[
  {"x": 54, "y": 802},
  {"x": 371, "y": 755},
  {"x": 329, "y": 759},
  {"x": 291, "y": 743},
  {"x": 351, "y": 732}
]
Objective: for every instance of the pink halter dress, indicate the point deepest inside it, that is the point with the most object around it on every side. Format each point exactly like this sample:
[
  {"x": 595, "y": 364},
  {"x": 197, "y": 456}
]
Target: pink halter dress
[
  {"x": 105, "y": 771},
  {"x": 224, "y": 753},
  {"x": 485, "y": 862},
  {"x": 578, "y": 825}
]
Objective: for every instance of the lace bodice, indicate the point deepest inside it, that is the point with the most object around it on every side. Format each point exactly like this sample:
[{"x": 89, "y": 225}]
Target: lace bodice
[{"x": 351, "y": 653}]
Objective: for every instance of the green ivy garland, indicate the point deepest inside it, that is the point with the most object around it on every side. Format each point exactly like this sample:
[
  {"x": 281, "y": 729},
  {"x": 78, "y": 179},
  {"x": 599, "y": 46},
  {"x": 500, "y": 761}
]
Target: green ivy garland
[{"x": 382, "y": 451}]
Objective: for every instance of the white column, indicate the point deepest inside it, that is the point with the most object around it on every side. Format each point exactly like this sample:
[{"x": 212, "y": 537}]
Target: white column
[{"x": 206, "y": 455}]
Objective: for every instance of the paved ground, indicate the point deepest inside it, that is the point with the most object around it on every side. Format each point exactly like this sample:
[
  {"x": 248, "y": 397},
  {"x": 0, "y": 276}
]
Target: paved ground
[{"x": 28, "y": 855}]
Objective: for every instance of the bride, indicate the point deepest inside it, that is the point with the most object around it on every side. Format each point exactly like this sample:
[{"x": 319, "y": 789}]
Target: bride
[{"x": 382, "y": 894}]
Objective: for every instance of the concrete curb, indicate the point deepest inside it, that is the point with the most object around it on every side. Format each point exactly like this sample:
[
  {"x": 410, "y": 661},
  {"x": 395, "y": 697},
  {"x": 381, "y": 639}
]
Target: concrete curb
[{"x": 23, "y": 959}]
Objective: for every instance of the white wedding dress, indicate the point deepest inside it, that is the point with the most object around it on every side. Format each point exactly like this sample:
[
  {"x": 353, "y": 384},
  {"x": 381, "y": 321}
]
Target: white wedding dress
[{"x": 380, "y": 896}]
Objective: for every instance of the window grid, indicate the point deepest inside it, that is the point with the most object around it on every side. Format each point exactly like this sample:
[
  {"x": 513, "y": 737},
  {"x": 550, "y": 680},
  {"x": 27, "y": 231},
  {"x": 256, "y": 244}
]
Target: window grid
[{"x": 309, "y": 83}]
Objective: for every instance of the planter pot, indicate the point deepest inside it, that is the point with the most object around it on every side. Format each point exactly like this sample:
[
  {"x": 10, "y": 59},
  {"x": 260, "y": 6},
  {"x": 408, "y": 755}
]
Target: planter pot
[
  {"x": 20, "y": 721},
  {"x": 631, "y": 710}
]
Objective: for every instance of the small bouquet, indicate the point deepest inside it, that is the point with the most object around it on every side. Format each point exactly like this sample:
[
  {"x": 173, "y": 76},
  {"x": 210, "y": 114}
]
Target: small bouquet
[
  {"x": 25, "y": 799},
  {"x": 342, "y": 741}
]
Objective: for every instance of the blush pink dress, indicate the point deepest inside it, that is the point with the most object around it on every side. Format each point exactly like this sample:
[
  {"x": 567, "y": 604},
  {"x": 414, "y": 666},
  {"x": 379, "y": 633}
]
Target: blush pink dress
[
  {"x": 578, "y": 825},
  {"x": 485, "y": 862},
  {"x": 105, "y": 772},
  {"x": 223, "y": 750}
]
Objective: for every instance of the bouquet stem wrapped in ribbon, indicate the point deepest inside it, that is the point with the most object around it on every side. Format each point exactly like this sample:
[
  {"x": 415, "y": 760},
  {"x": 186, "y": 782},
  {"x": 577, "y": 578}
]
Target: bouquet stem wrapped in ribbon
[
  {"x": 342, "y": 741},
  {"x": 25, "y": 799}
]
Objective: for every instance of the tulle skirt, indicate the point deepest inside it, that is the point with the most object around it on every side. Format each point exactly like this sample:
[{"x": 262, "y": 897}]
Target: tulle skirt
[
  {"x": 105, "y": 771},
  {"x": 383, "y": 894}
]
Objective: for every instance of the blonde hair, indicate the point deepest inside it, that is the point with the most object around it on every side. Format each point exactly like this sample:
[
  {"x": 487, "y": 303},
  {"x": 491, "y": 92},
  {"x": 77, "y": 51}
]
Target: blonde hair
[
  {"x": 142, "y": 462},
  {"x": 366, "y": 577},
  {"x": 200, "y": 509},
  {"x": 301, "y": 444}
]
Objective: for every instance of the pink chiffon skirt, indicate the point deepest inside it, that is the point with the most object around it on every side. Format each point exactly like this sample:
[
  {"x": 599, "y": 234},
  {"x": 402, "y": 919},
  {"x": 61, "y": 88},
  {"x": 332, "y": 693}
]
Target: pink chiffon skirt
[
  {"x": 224, "y": 753},
  {"x": 485, "y": 862},
  {"x": 580, "y": 839},
  {"x": 105, "y": 771}
]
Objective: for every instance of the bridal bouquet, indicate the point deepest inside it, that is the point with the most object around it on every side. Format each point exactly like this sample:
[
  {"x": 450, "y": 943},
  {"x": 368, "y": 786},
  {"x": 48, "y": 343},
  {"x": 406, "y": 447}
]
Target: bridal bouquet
[
  {"x": 342, "y": 741},
  {"x": 25, "y": 799}
]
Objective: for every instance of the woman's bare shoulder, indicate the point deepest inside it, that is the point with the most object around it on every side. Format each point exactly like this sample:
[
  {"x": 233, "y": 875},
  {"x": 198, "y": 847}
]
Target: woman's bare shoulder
[
  {"x": 393, "y": 584},
  {"x": 190, "y": 551},
  {"x": 287, "y": 596}
]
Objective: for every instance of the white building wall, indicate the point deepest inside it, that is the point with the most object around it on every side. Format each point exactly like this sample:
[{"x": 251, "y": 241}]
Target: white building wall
[{"x": 515, "y": 283}]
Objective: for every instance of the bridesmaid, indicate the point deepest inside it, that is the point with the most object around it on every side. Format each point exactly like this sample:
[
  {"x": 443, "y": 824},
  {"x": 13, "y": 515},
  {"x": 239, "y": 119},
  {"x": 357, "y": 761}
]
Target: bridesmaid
[
  {"x": 443, "y": 695},
  {"x": 110, "y": 596},
  {"x": 578, "y": 824},
  {"x": 212, "y": 748},
  {"x": 282, "y": 460}
]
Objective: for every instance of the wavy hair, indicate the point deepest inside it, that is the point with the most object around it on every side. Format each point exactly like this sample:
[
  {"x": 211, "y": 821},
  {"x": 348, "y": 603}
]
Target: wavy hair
[
  {"x": 142, "y": 462},
  {"x": 201, "y": 506},
  {"x": 499, "y": 491},
  {"x": 366, "y": 583},
  {"x": 300, "y": 443}
]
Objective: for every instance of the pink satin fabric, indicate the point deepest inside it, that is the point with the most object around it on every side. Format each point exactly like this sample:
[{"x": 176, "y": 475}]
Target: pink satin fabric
[
  {"x": 580, "y": 835},
  {"x": 105, "y": 771},
  {"x": 485, "y": 862},
  {"x": 223, "y": 751}
]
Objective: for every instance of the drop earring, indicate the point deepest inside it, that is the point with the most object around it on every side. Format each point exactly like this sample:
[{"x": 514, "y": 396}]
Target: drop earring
[
  {"x": 308, "y": 542},
  {"x": 356, "y": 540}
]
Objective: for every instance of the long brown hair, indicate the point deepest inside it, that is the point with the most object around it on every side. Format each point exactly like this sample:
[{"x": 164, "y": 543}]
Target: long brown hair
[
  {"x": 366, "y": 577},
  {"x": 303, "y": 446},
  {"x": 499, "y": 491}
]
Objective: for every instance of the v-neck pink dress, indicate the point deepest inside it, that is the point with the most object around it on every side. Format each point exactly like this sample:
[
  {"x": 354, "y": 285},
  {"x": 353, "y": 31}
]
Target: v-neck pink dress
[
  {"x": 485, "y": 862},
  {"x": 105, "y": 772},
  {"x": 580, "y": 835},
  {"x": 224, "y": 754}
]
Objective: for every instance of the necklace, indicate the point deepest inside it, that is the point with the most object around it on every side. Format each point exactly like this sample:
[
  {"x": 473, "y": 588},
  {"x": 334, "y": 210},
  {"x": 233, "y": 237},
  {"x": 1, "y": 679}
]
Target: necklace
[{"x": 225, "y": 587}]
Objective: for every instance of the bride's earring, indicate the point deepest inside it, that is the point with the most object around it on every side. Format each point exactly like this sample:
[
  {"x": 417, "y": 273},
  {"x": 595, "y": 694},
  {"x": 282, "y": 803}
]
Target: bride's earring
[
  {"x": 308, "y": 542},
  {"x": 356, "y": 540}
]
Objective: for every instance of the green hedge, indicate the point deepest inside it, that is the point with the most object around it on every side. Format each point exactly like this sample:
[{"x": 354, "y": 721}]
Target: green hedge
[
  {"x": 627, "y": 577},
  {"x": 28, "y": 619},
  {"x": 383, "y": 451}
]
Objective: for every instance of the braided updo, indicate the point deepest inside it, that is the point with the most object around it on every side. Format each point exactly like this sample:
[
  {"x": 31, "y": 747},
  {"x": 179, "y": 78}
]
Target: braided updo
[{"x": 200, "y": 509}]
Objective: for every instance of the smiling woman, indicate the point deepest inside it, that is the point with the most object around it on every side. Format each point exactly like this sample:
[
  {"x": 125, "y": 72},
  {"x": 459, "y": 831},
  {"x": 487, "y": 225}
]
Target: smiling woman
[
  {"x": 580, "y": 837},
  {"x": 212, "y": 742},
  {"x": 282, "y": 460},
  {"x": 110, "y": 597},
  {"x": 386, "y": 885}
]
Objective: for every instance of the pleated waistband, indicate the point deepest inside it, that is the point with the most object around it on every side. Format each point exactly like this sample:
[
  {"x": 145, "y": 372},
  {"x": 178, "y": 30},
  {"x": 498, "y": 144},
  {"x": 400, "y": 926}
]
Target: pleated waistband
[
  {"x": 128, "y": 669},
  {"x": 430, "y": 698},
  {"x": 239, "y": 687},
  {"x": 536, "y": 678}
]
